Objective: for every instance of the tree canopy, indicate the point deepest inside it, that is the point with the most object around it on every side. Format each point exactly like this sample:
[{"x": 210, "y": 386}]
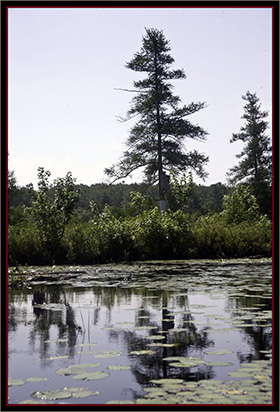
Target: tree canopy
[
  {"x": 156, "y": 142},
  {"x": 255, "y": 166}
]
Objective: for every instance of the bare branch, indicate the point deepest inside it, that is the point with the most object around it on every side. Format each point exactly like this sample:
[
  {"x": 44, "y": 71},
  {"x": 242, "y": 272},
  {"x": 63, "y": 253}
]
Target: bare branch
[{"x": 127, "y": 90}]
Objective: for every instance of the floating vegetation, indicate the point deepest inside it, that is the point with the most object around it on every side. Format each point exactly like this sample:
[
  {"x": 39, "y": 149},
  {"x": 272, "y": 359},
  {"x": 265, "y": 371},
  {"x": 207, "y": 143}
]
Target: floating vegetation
[
  {"x": 250, "y": 384},
  {"x": 218, "y": 352},
  {"x": 144, "y": 327},
  {"x": 90, "y": 376},
  {"x": 57, "y": 357},
  {"x": 51, "y": 395},
  {"x": 75, "y": 392},
  {"x": 167, "y": 381},
  {"x": 142, "y": 352},
  {"x": 86, "y": 344},
  {"x": 177, "y": 330},
  {"x": 155, "y": 337},
  {"x": 15, "y": 382},
  {"x": 76, "y": 369},
  {"x": 118, "y": 367},
  {"x": 218, "y": 363},
  {"x": 166, "y": 345},
  {"x": 205, "y": 392},
  {"x": 38, "y": 379}
]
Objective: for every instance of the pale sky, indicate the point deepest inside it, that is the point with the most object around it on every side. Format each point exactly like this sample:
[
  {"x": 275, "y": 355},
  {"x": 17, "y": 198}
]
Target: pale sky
[{"x": 64, "y": 65}]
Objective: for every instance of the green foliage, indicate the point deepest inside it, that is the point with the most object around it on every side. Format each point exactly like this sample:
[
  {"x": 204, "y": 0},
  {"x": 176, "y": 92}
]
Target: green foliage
[
  {"x": 255, "y": 166},
  {"x": 180, "y": 191},
  {"x": 156, "y": 141},
  {"x": 52, "y": 216},
  {"x": 24, "y": 244},
  {"x": 240, "y": 205},
  {"x": 147, "y": 236},
  {"x": 136, "y": 231}
]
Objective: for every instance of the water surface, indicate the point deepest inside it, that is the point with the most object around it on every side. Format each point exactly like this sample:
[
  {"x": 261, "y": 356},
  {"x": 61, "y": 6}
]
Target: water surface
[{"x": 202, "y": 324}]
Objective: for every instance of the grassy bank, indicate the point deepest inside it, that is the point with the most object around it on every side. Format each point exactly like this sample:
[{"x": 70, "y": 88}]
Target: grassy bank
[{"x": 147, "y": 236}]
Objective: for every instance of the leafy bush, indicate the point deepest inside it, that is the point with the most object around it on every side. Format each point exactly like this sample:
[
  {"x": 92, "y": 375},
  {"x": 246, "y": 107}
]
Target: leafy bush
[
  {"x": 240, "y": 205},
  {"x": 148, "y": 235}
]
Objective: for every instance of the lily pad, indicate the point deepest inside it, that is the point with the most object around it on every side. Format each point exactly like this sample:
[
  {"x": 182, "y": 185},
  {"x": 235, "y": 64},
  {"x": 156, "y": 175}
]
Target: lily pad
[
  {"x": 167, "y": 381},
  {"x": 144, "y": 327},
  {"x": 240, "y": 374},
  {"x": 118, "y": 367},
  {"x": 177, "y": 330},
  {"x": 86, "y": 344},
  {"x": 37, "y": 379},
  {"x": 56, "y": 394},
  {"x": 165, "y": 345},
  {"x": 218, "y": 352},
  {"x": 84, "y": 365},
  {"x": 91, "y": 376},
  {"x": 76, "y": 369},
  {"x": 142, "y": 352},
  {"x": 125, "y": 323},
  {"x": 74, "y": 389},
  {"x": 15, "y": 382},
  {"x": 218, "y": 363},
  {"x": 155, "y": 337},
  {"x": 57, "y": 357}
]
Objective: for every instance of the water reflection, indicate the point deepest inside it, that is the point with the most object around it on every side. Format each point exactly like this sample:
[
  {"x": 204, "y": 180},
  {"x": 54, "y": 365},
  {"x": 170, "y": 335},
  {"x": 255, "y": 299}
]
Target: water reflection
[{"x": 125, "y": 316}]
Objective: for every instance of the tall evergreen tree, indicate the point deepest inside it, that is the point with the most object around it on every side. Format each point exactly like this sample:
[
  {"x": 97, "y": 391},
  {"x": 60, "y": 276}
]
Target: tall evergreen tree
[
  {"x": 255, "y": 166},
  {"x": 156, "y": 142}
]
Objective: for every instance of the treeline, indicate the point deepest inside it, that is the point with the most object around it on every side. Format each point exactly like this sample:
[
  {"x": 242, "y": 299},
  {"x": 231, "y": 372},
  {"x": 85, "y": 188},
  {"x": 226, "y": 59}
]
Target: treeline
[
  {"x": 203, "y": 199},
  {"x": 66, "y": 223}
]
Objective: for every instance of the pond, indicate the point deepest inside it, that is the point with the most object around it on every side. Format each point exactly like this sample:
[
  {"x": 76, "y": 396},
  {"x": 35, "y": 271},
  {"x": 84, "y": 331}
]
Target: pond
[{"x": 195, "y": 332}]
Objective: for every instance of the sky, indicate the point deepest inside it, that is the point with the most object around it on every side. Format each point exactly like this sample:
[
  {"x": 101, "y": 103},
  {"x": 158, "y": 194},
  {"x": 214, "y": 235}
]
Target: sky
[{"x": 65, "y": 64}]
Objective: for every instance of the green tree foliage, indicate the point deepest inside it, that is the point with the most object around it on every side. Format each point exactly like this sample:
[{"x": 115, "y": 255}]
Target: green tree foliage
[
  {"x": 240, "y": 205},
  {"x": 207, "y": 199},
  {"x": 255, "y": 166},
  {"x": 156, "y": 142},
  {"x": 52, "y": 216},
  {"x": 180, "y": 191}
]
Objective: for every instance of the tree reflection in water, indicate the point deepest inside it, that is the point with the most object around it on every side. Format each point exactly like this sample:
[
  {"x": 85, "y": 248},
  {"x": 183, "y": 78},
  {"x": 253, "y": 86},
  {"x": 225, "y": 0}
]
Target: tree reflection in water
[{"x": 152, "y": 307}]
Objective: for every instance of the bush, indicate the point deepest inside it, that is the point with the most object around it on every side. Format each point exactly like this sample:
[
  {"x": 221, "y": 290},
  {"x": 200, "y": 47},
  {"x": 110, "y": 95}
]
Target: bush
[{"x": 149, "y": 235}]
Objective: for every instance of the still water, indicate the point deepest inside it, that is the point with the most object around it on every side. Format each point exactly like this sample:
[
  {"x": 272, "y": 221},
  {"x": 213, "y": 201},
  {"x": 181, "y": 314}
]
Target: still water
[{"x": 166, "y": 332}]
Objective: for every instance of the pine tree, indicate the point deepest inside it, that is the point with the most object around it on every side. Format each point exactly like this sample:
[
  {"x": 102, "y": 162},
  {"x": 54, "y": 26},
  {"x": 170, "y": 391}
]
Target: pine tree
[
  {"x": 255, "y": 167},
  {"x": 156, "y": 142}
]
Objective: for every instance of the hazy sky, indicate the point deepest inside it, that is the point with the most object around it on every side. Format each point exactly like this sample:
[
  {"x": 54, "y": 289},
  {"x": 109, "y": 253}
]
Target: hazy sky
[{"x": 64, "y": 65}]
